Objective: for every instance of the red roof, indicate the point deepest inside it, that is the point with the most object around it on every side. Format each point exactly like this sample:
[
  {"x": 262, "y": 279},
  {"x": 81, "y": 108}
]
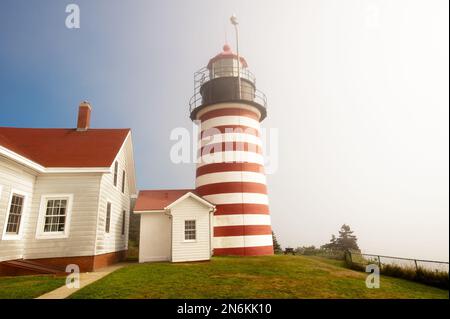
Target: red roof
[
  {"x": 158, "y": 199},
  {"x": 51, "y": 147},
  {"x": 226, "y": 54}
]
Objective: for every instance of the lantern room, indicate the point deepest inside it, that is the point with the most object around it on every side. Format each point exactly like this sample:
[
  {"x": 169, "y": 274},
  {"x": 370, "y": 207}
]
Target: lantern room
[{"x": 224, "y": 79}]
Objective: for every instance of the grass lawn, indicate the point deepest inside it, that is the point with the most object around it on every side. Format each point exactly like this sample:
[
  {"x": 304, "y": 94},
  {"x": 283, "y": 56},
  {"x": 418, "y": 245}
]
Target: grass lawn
[
  {"x": 28, "y": 287},
  {"x": 250, "y": 277}
]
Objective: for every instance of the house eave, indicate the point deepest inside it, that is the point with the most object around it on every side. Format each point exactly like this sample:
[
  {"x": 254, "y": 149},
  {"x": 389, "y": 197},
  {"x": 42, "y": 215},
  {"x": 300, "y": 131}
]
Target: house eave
[{"x": 50, "y": 170}]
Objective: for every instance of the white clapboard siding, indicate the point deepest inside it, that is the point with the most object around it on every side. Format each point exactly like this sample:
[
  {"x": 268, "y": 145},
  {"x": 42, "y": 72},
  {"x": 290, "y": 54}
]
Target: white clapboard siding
[
  {"x": 82, "y": 229},
  {"x": 13, "y": 176},
  {"x": 200, "y": 249},
  {"x": 114, "y": 240},
  {"x": 155, "y": 239}
]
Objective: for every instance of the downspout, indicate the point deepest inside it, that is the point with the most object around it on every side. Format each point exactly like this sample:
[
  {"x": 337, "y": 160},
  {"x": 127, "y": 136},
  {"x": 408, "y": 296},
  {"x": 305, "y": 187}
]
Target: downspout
[
  {"x": 167, "y": 212},
  {"x": 211, "y": 230}
]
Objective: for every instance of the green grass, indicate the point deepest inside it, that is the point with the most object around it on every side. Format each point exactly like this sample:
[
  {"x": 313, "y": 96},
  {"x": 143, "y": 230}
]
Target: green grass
[
  {"x": 251, "y": 277},
  {"x": 28, "y": 287}
]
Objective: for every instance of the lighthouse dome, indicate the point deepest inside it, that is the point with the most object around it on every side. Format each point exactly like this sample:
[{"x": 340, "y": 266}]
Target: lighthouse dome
[{"x": 226, "y": 58}]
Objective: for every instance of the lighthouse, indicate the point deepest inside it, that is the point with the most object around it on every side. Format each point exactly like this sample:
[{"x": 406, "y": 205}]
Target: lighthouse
[{"x": 228, "y": 109}]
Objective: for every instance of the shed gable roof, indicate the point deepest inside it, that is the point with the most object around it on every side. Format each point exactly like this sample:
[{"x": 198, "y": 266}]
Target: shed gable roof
[{"x": 154, "y": 200}]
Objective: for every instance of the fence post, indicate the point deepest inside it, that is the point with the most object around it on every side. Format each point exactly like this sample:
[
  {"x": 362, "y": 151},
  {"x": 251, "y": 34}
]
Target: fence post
[
  {"x": 415, "y": 262},
  {"x": 379, "y": 263},
  {"x": 348, "y": 258}
]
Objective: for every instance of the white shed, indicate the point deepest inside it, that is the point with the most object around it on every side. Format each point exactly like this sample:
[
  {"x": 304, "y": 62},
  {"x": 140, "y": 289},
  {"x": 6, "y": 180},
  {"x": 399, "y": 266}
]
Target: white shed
[{"x": 176, "y": 225}]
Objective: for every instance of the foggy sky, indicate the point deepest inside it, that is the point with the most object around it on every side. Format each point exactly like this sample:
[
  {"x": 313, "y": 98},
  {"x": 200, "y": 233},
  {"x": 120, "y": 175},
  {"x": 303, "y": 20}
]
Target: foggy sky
[{"x": 358, "y": 91}]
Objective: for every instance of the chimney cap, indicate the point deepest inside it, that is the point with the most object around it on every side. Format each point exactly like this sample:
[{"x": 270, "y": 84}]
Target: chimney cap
[{"x": 86, "y": 103}]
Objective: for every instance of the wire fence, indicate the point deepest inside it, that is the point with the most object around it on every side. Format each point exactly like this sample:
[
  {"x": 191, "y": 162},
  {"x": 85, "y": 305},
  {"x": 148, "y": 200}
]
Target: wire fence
[
  {"x": 428, "y": 272},
  {"x": 416, "y": 264}
]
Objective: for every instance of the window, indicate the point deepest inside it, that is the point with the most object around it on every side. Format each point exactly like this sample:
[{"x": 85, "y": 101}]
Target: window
[
  {"x": 55, "y": 215},
  {"x": 15, "y": 214},
  {"x": 123, "y": 181},
  {"x": 108, "y": 217},
  {"x": 224, "y": 67},
  {"x": 116, "y": 169},
  {"x": 124, "y": 217},
  {"x": 189, "y": 230}
]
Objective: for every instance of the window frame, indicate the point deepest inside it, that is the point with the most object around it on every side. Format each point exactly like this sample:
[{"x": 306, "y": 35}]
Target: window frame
[
  {"x": 107, "y": 228},
  {"x": 123, "y": 181},
  {"x": 40, "y": 233},
  {"x": 116, "y": 174},
  {"x": 18, "y": 236},
  {"x": 195, "y": 230},
  {"x": 124, "y": 222}
]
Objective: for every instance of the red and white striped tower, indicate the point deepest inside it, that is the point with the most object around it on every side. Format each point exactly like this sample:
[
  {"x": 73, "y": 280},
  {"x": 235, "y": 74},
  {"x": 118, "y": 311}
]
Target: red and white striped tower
[{"x": 230, "y": 171}]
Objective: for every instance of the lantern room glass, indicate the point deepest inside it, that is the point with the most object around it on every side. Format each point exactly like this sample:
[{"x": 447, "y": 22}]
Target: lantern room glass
[{"x": 224, "y": 68}]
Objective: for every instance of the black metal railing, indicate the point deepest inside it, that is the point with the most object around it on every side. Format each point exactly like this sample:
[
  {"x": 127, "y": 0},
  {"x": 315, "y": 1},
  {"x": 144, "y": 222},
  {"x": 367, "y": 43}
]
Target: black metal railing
[
  {"x": 205, "y": 75},
  {"x": 249, "y": 93}
]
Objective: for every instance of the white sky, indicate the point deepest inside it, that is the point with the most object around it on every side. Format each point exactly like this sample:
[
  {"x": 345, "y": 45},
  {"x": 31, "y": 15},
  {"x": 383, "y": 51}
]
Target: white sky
[{"x": 358, "y": 90}]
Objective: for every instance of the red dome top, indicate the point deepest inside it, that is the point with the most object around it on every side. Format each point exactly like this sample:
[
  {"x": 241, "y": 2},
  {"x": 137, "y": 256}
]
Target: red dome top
[{"x": 226, "y": 54}]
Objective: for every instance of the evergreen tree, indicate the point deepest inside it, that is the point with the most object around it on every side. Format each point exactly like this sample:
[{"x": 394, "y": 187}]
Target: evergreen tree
[
  {"x": 276, "y": 246},
  {"x": 346, "y": 240},
  {"x": 331, "y": 245}
]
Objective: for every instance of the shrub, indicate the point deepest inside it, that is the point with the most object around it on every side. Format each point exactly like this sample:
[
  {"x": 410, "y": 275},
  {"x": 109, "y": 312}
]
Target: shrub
[
  {"x": 429, "y": 277},
  {"x": 133, "y": 250},
  {"x": 321, "y": 252}
]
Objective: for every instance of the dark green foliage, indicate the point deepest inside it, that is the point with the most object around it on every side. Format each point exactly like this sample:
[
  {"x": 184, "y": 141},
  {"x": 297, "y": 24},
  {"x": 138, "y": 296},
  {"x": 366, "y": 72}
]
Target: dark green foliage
[
  {"x": 133, "y": 250},
  {"x": 276, "y": 246},
  {"x": 307, "y": 251},
  {"x": 346, "y": 240},
  {"x": 313, "y": 251},
  {"x": 435, "y": 278}
]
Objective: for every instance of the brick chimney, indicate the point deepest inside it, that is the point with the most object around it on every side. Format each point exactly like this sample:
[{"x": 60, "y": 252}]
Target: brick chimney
[{"x": 84, "y": 116}]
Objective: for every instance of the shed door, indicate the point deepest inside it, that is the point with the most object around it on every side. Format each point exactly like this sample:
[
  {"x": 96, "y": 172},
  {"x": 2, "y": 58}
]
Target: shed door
[{"x": 155, "y": 238}]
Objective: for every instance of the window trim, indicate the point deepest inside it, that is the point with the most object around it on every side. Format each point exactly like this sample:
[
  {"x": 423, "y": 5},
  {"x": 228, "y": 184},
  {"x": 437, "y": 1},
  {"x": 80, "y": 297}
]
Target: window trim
[
  {"x": 19, "y": 234},
  {"x": 123, "y": 230},
  {"x": 40, "y": 234},
  {"x": 123, "y": 181},
  {"x": 184, "y": 231},
  {"x": 116, "y": 174},
  {"x": 106, "y": 217}
]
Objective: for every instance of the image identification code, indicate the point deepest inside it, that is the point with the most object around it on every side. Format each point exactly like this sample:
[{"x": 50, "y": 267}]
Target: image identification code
[{"x": 226, "y": 308}]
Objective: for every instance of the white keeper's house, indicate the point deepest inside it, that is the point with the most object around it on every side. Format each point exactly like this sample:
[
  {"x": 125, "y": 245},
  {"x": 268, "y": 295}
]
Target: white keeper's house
[{"x": 64, "y": 196}]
